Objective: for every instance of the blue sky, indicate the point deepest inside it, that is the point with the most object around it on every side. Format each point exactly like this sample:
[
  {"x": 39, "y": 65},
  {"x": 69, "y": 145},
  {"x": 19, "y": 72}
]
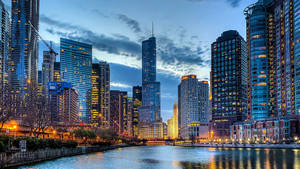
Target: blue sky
[{"x": 184, "y": 30}]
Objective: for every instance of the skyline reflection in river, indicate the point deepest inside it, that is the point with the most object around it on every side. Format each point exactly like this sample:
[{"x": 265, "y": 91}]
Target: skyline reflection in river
[{"x": 169, "y": 157}]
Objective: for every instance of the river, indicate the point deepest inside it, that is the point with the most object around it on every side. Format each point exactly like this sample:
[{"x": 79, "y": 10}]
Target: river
[{"x": 170, "y": 157}]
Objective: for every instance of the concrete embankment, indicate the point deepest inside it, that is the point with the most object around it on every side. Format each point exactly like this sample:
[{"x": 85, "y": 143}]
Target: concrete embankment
[
  {"x": 25, "y": 158},
  {"x": 280, "y": 146}
]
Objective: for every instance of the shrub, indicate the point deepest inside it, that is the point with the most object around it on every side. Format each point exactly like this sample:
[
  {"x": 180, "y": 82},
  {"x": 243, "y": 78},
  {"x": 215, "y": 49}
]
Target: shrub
[{"x": 2, "y": 147}]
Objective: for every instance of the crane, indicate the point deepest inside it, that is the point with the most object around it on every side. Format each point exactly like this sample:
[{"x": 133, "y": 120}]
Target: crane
[{"x": 51, "y": 50}]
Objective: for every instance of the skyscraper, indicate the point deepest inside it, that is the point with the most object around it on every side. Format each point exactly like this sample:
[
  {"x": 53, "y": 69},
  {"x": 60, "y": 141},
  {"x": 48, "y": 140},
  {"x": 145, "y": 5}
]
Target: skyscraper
[
  {"x": 76, "y": 67},
  {"x": 100, "y": 95},
  {"x": 4, "y": 50},
  {"x": 149, "y": 113},
  {"x": 192, "y": 125},
  {"x": 24, "y": 44},
  {"x": 48, "y": 70},
  {"x": 118, "y": 109},
  {"x": 229, "y": 81},
  {"x": 136, "y": 104},
  {"x": 203, "y": 96},
  {"x": 273, "y": 39},
  {"x": 56, "y": 72}
]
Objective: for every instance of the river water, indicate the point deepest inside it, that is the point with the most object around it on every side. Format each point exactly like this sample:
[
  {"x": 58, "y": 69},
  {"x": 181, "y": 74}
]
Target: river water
[{"x": 169, "y": 157}]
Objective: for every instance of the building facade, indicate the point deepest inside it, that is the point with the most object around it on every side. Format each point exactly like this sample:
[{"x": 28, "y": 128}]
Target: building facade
[
  {"x": 136, "y": 104},
  {"x": 203, "y": 96},
  {"x": 56, "y": 72},
  {"x": 63, "y": 102},
  {"x": 118, "y": 111},
  {"x": 100, "y": 112},
  {"x": 24, "y": 44},
  {"x": 172, "y": 124},
  {"x": 149, "y": 114},
  {"x": 47, "y": 70},
  {"x": 191, "y": 126},
  {"x": 229, "y": 82},
  {"x": 76, "y": 67},
  {"x": 5, "y": 45}
]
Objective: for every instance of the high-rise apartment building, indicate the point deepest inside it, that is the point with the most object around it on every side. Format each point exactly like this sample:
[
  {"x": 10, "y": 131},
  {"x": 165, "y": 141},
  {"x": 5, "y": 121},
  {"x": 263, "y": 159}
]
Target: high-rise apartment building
[
  {"x": 273, "y": 39},
  {"x": 24, "y": 44},
  {"x": 149, "y": 113},
  {"x": 118, "y": 111},
  {"x": 63, "y": 101},
  {"x": 229, "y": 82},
  {"x": 136, "y": 104},
  {"x": 76, "y": 68},
  {"x": 100, "y": 95}
]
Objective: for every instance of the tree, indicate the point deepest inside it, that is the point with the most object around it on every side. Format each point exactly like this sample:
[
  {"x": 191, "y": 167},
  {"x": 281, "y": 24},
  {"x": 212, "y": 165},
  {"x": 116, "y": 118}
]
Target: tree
[
  {"x": 9, "y": 103},
  {"x": 36, "y": 111}
]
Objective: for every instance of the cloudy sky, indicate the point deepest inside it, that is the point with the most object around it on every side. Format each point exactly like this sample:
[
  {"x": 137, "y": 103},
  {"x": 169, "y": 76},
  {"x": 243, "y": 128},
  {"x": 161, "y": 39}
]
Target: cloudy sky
[{"x": 184, "y": 30}]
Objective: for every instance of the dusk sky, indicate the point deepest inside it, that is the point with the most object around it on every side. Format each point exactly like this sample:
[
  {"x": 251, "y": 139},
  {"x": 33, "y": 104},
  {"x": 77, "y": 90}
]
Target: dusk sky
[{"x": 184, "y": 30}]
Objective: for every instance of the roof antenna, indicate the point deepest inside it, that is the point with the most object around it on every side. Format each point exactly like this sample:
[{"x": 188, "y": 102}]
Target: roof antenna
[{"x": 152, "y": 29}]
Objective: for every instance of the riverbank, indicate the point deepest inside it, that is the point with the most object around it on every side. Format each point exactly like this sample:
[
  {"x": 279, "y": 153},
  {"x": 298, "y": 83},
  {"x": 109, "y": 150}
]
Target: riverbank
[
  {"x": 25, "y": 158},
  {"x": 273, "y": 146}
]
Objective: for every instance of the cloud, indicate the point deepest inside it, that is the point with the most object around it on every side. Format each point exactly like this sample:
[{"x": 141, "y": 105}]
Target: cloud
[
  {"x": 233, "y": 3},
  {"x": 120, "y": 85},
  {"x": 174, "y": 58},
  {"x": 119, "y": 45},
  {"x": 131, "y": 23}
]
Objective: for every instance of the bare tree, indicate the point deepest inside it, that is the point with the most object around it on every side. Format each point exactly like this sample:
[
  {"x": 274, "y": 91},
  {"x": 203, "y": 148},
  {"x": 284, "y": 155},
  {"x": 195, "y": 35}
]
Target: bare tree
[
  {"x": 36, "y": 109},
  {"x": 8, "y": 105}
]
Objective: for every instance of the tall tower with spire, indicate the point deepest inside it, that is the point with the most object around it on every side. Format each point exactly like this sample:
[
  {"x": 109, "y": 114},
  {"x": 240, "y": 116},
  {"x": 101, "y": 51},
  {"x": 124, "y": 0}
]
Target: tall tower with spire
[{"x": 150, "y": 118}]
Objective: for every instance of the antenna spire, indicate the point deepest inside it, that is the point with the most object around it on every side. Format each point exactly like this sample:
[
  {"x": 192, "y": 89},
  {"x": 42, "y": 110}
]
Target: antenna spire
[{"x": 152, "y": 29}]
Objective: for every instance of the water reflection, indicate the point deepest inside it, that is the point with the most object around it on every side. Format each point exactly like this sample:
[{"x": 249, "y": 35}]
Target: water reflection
[{"x": 165, "y": 157}]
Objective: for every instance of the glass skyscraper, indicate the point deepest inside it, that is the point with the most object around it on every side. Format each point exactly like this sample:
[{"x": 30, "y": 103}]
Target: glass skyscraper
[
  {"x": 4, "y": 50},
  {"x": 24, "y": 44},
  {"x": 76, "y": 67},
  {"x": 149, "y": 113},
  {"x": 100, "y": 113},
  {"x": 229, "y": 81}
]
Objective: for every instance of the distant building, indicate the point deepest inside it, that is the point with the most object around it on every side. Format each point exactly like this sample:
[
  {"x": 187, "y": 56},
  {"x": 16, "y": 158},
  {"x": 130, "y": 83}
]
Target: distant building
[
  {"x": 173, "y": 124},
  {"x": 100, "y": 112},
  {"x": 203, "y": 96},
  {"x": 63, "y": 103},
  {"x": 130, "y": 117},
  {"x": 191, "y": 126},
  {"x": 229, "y": 82},
  {"x": 5, "y": 47},
  {"x": 150, "y": 120},
  {"x": 56, "y": 73},
  {"x": 118, "y": 111},
  {"x": 24, "y": 44},
  {"x": 136, "y": 104},
  {"x": 47, "y": 70},
  {"x": 76, "y": 67}
]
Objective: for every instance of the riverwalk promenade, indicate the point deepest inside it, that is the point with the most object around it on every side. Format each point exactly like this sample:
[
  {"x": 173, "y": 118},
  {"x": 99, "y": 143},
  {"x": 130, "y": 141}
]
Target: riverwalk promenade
[{"x": 279, "y": 146}]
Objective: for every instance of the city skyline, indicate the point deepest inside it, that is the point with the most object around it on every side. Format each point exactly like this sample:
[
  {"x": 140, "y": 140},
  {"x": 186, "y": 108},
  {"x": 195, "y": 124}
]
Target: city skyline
[{"x": 172, "y": 32}]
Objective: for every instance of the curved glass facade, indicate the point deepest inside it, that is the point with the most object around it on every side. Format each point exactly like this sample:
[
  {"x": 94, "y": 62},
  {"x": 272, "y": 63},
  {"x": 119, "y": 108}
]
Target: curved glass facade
[{"x": 257, "y": 21}]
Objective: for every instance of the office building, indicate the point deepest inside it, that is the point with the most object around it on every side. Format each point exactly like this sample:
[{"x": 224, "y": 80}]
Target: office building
[
  {"x": 47, "y": 70},
  {"x": 63, "y": 101},
  {"x": 24, "y": 44},
  {"x": 118, "y": 111},
  {"x": 76, "y": 68},
  {"x": 100, "y": 95},
  {"x": 229, "y": 82},
  {"x": 56, "y": 72}
]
